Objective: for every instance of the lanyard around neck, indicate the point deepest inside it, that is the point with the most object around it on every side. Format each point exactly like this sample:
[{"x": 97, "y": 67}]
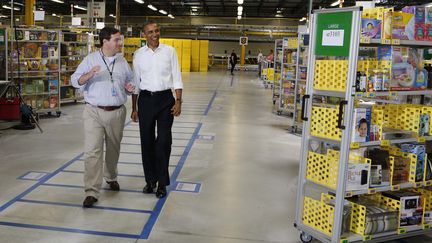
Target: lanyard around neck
[{"x": 106, "y": 65}]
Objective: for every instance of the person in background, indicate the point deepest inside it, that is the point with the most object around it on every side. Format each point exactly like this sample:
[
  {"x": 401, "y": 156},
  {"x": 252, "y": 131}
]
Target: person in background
[
  {"x": 106, "y": 79},
  {"x": 157, "y": 71},
  {"x": 233, "y": 61},
  {"x": 270, "y": 57},
  {"x": 260, "y": 58}
]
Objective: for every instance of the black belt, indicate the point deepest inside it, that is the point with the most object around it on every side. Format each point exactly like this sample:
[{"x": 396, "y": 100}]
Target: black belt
[
  {"x": 152, "y": 93},
  {"x": 109, "y": 108}
]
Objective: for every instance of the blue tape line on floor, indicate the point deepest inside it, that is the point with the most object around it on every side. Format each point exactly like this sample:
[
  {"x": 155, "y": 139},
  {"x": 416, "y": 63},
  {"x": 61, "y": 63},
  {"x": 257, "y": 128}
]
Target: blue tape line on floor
[
  {"x": 210, "y": 104},
  {"x": 80, "y": 206},
  {"x": 45, "y": 179},
  {"x": 157, "y": 209},
  {"x": 61, "y": 229}
]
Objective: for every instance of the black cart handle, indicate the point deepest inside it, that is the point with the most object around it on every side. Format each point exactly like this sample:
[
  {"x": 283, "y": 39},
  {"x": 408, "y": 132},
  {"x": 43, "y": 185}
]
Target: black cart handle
[
  {"x": 340, "y": 115},
  {"x": 303, "y": 117}
]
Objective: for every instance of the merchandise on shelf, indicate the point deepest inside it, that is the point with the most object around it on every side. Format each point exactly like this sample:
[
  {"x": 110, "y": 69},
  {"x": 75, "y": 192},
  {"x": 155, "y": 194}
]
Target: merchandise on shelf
[
  {"x": 420, "y": 151},
  {"x": 371, "y": 28},
  {"x": 362, "y": 125},
  {"x": 410, "y": 207},
  {"x": 403, "y": 26}
]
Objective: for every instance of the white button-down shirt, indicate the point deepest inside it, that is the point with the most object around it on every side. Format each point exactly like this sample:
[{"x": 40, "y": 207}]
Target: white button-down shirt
[
  {"x": 157, "y": 70},
  {"x": 98, "y": 90}
]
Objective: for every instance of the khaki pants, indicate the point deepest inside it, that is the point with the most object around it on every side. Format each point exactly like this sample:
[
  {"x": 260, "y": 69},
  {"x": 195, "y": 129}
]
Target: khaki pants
[{"x": 100, "y": 126}]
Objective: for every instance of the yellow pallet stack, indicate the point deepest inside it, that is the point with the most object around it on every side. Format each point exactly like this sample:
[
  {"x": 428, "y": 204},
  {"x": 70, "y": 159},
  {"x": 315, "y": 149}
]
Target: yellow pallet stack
[
  {"x": 204, "y": 44},
  {"x": 195, "y": 55},
  {"x": 186, "y": 56}
]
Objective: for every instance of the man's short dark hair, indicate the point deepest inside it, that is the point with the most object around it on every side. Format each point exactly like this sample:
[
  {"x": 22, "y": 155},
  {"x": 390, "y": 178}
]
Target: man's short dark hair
[
  {"x": 148, "y": 23},
  {"x": 105, "y": 34}
]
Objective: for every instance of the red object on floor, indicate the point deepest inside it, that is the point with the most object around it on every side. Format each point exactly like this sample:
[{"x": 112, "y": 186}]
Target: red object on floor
[{"x": 10, "y": 108}]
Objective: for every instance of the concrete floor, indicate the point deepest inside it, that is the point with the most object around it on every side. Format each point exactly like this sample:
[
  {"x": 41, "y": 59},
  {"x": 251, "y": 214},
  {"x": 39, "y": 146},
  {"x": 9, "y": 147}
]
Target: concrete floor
[{"x": 229, "y": 149}]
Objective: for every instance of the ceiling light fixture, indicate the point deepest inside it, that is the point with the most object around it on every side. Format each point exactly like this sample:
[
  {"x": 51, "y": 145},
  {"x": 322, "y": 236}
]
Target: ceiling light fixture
[
  {"x": 3, "y": 16},
  {"x": 239, "y": 17},
  {"x": 240, "y": 8},
  {"x": 302, "y": 19},
  {"x": 152, "y": 7},
  {"x": 279, "y": 11},
  {"x": 335, "y": 3},
  {"x": 195, "y": 7},
  {"x": 162, "y": 11},
  {"x": 428, "y": 5},
  {"x": 57, "y": 1},
  {"x": 79, "y": 7},
  {"x": 8, "y": 7},
  {"x": 194, "y": 10},
  {"x": 15, "y": 3},
  {"x": 239, "y": 13},
  {"x": 55, "y": 15},
  {"x": 240, "y": 2},
  {"x": 278, "y": 15},
  {"x": 112, "y": 15},
  {"x": 170, "y": 16},
  {"x": 139, "y": 1}
]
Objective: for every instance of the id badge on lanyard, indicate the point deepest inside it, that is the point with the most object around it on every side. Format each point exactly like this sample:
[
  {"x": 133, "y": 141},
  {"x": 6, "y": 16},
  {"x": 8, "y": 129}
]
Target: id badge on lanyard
[{"x": 113, "y": 89}]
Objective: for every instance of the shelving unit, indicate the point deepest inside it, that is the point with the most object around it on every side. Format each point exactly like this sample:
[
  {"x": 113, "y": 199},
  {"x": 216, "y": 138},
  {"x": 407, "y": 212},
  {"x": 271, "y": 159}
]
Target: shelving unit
[
  {"x": 287, "y": 80},
  {"x": 73, "y": 49},
  {"x": 275, "y": 73},
  {"x": 34, "y": 63},
  {"x": 328, "y": 209},
  {"x": 300, "y": 83}
]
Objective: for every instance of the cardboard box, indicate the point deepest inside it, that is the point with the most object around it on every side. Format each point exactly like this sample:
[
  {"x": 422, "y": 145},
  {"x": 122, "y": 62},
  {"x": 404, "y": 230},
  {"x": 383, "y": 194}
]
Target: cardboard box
[
  {"x": 361, "y": 126},
  {"x": 403, "y": 26},
  {"x": 420, "y": 151},
  {"x": 380, "y": 166},
  {"x": 418, "y": 11},
  {"x": 420, "y": 32},
  {"x": 357, "y": 177},
  {"x": 371, "y": 28},
  {"x": 407, "y": 71},
  {"x": 428, "y": 15},
  {"x": 410, "y": 211}
]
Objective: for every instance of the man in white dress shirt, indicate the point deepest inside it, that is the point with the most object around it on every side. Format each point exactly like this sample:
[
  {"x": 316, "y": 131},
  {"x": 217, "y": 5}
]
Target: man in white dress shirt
[
  {"x": 157, "y": 71},
  {"x": 105, "y": 78}
]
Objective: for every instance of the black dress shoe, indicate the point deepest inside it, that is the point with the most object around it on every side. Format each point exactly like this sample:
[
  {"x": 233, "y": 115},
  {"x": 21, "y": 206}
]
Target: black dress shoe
[
  {"x": 89, "y": 201},
  {"x": 114, "y": 185},
  {"x": 149, "y": 188},
  {"x": 161, "y": 192}
]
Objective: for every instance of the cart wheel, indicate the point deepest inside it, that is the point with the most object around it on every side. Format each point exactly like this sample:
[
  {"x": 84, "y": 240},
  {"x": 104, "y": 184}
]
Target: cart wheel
[
  {"x": 58, "y": 113},
  {"x": 279, "y": 113},
  {"x": 305, "y": 237}
]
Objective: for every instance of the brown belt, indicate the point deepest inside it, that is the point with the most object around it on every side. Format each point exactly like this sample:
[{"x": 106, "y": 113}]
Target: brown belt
[{"x": 109, "y": 108}]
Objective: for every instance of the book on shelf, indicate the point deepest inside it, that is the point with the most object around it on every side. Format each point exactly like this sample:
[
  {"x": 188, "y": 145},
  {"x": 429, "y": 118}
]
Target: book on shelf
[{"x": 53, "y": 86}]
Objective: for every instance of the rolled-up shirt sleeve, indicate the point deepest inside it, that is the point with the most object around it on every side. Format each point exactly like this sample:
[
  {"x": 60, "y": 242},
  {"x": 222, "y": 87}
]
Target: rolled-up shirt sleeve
[
  {"x": 136, "y": 74},
  {"x": 176, "y": 74},
  {"x": 82, "y": 69}
]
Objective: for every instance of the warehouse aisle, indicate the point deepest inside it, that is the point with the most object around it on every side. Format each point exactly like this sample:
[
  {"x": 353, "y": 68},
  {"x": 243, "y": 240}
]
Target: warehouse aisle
[{"x": 233, "y": 171}]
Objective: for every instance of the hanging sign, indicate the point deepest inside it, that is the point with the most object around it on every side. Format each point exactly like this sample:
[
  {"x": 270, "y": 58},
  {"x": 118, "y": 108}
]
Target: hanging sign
[
  {"x": 243, "y": 41},
  {"x": 333, "y": 34},
  {"x": 98, "y": 9}
]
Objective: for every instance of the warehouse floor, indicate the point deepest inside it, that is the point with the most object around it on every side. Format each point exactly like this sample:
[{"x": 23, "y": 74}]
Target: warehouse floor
[{"x": 233, "y": 171}]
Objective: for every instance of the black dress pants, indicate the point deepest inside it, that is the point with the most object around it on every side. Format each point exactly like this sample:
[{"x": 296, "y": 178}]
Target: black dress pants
[
  {"x": 154, "y": 110},
  {"x": 232, "y": 67}
]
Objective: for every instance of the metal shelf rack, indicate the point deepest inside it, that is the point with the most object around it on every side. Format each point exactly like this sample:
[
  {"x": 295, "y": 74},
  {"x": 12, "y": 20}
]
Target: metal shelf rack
[{"x": 335, "y": 39}]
